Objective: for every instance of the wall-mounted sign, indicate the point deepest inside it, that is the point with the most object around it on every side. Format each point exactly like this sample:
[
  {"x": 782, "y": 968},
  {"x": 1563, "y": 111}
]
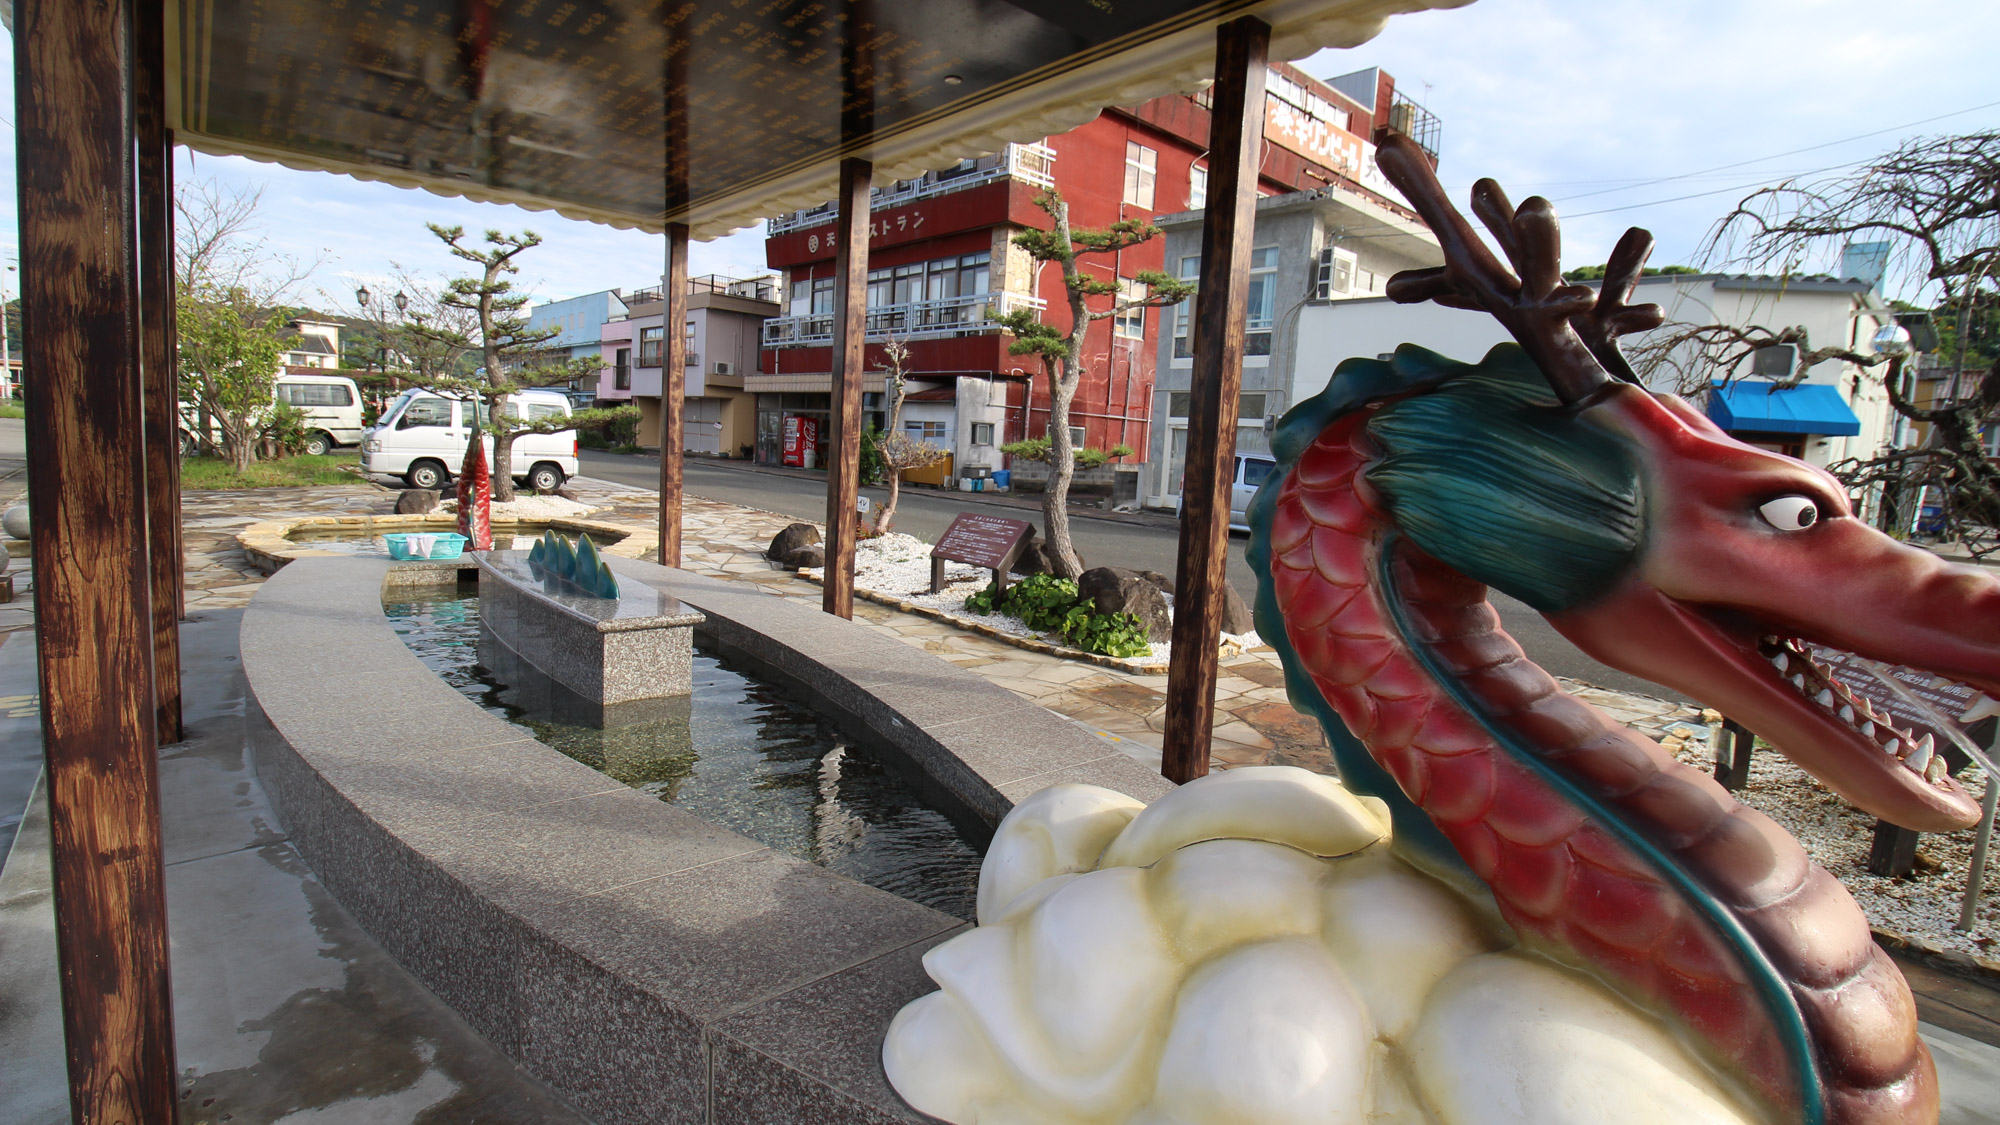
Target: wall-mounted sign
[
  {"x": 1312, "y": 137},
  {"x": 1951, "y": 699}
]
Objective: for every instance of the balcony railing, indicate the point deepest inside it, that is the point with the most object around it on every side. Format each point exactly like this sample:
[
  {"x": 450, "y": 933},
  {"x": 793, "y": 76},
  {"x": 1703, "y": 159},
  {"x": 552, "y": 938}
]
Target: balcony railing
[
  {"x": 918, "y": 320},
  {"x": 1033, "y": 164}
]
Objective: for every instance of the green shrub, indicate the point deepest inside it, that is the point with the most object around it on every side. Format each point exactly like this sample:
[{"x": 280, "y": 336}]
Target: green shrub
[
  {"x": 1041, "y": 601},
  {"x": 1086, "y": 457},
  {"x": 1112, "y": 634},
  {"x": 873, "y": 465}
]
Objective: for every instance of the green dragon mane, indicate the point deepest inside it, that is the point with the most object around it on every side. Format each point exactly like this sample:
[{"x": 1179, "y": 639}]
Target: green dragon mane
[{"x": 1490, "y": 474}]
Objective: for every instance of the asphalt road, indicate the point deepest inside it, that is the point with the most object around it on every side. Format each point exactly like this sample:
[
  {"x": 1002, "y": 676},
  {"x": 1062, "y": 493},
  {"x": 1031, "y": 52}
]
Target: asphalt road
[{"x": 1142, "y": 542}]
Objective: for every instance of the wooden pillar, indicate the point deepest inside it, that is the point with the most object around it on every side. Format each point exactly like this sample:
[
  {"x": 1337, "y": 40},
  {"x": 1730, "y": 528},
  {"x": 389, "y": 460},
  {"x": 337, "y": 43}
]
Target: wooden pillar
[
  {"x": 850, "y": 301},
  {"x": 1219, "y": 309},
  {"x": 673, "y": 384},
  {"x": 74, "y": 91},
  {"x": 158, "y": 362}
]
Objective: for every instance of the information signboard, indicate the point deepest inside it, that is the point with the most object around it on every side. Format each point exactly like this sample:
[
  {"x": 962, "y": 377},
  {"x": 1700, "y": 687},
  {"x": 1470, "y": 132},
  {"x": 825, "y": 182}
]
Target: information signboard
[
  {"x": 1951, "y": 699},
  {"x": 977, "y": 539}
]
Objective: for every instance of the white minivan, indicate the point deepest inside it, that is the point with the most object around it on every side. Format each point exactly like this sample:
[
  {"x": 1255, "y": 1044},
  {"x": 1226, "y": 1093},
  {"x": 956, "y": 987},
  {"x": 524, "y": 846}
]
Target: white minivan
[
  {"x": 421, "y": 435},
  {"x": 331, "y": 404}
]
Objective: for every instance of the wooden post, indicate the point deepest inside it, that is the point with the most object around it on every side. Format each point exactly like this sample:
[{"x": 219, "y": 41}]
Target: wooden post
[
  {"x": 673, "y": 384},
  {"x": 74, "y": 91},
  {"x": 1235, "y": 145},
  {"x": 158, "y": 362},
  {"x": 850, "y": 300}
]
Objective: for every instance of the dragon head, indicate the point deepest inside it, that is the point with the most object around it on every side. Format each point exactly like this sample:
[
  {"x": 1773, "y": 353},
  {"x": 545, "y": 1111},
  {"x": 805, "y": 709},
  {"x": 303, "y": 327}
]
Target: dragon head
[{"x": 1652, "y": 539}]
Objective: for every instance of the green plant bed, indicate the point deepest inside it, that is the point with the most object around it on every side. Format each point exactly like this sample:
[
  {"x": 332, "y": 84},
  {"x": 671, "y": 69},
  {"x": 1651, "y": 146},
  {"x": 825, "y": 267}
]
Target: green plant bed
[
  {"x": 1051, "y": 604},
  {"x": 11, "y": 408},
  {"x": 209, "y": 473}
]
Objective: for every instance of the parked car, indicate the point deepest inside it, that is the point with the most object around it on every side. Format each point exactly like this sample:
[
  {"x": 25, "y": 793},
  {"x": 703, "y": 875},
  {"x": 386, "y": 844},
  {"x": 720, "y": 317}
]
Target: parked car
[
  {"x": 1251, "y": 471},
  {"x": 422, "y": 435},
  {"x": 331, "y": 404}
]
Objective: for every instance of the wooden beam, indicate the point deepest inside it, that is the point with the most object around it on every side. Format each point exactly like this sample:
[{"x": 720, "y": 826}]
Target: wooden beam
[
  {"x": 74, "y": 87},
  {"x": 1219, "y": 310},
  {"x": 673, "y": 384},
  {"x": 850, "y": 301},
  {"x": 158, "y": 356}
]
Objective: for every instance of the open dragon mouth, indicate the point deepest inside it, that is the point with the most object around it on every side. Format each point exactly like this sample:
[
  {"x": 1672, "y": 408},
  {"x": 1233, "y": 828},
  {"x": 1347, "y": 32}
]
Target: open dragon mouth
[{"x": 1815, "y": 681}]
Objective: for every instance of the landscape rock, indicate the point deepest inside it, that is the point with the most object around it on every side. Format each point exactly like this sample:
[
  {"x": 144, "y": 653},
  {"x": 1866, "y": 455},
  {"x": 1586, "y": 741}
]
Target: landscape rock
[
  {"x": 1236, "y": 615},
  {"x": 1111, "y": 591},
  {"x": 803, "y": 557},
  {"x": 794, "y": 536},
  {"x": 416, "y": 501},
  {"x": 1034, "y": 557},
  {"x": 15, "y": 521}
]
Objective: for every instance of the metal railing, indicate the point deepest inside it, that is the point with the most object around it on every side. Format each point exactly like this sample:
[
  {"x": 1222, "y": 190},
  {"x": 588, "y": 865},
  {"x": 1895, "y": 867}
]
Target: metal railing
[
  {"x": 1033, "y": 164},
  {"x": 918, "y": 320}
]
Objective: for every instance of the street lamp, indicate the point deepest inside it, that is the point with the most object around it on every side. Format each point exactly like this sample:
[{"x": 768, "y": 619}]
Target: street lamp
[
  {"x": 362, "y": 295},
  {"x": 402, "y": 301}
]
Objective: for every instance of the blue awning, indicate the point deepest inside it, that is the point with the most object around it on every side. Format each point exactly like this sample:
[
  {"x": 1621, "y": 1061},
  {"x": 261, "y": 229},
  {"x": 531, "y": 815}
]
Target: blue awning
[{"x": 1755, "y": 406}]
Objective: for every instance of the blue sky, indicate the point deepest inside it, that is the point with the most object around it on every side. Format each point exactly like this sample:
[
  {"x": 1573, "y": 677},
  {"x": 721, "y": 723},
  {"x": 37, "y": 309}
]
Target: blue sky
[{"x": 1584, "y": 101}]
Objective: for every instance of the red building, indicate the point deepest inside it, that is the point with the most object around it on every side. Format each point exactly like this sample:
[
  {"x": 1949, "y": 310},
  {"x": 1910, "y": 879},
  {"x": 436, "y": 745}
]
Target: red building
[{"x": 941, "y": 264}]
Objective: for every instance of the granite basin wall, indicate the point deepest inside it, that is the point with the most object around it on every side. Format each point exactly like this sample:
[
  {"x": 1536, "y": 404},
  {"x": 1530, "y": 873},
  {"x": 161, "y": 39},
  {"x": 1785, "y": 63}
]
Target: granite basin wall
[
  {"x": 647, "y": 965},
  {"x": 635, "y": 647}
]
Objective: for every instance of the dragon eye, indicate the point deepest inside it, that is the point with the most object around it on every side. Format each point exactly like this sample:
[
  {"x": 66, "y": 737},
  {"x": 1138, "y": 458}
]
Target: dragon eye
[{"x": 1790, "y": 513}]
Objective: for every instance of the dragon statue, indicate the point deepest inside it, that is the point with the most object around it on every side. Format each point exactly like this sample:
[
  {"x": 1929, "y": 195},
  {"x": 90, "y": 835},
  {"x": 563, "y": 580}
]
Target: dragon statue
[{"x": 1509, "y": 908}]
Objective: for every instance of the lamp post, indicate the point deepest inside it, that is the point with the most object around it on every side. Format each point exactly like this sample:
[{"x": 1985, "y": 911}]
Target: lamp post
[{"x": 8, "y": 389}]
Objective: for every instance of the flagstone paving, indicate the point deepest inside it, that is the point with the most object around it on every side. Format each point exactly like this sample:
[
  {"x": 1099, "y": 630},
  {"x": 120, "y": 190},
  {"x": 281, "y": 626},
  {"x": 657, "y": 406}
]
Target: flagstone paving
[{"x": 1255, "y": 722}]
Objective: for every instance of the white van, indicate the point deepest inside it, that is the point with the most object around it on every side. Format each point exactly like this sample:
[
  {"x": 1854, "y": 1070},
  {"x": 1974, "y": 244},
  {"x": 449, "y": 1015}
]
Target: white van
[
  {"x": 331, "y": 403},
  {"x": 332, "y": 406},
  {"x": 1251, "y": 471},
  {"x": 421, "y": 435}
]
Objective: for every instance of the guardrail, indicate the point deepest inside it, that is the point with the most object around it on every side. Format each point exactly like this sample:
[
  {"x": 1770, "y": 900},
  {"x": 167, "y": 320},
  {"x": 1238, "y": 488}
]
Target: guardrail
[
  {"x": 917, "y": 320},
  {"x": 1033, "y": 164}
]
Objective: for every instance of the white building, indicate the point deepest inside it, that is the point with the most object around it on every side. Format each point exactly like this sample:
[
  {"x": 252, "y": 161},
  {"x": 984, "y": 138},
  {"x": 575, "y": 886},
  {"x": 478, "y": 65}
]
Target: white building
[{"x": 1837, "y": 413}]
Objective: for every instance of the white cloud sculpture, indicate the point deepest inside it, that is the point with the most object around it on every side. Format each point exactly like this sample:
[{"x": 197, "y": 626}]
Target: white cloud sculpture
[{"x": 1249, "y": 951}]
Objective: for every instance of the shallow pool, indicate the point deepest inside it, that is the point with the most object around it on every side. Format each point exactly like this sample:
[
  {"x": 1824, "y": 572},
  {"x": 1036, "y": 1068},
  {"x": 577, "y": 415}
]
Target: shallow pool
[
  {"x": 349, "y": 541},
  {"x": 738, "y": 753}
]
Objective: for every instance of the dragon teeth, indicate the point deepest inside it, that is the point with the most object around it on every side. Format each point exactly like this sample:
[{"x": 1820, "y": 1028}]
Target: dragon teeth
[
  {"x": 1868, "y": 730},
  {"x": 1781, "y": 662},
  {"x": 1799, "y": 680},
  {"x": 1824, "y": 699},
  {"x": 1846, "y": 713},
  {"x": 1892, "y": 747},
  {"x": 1920, "y": 757},
  {"x": 1934, "y": 773}
]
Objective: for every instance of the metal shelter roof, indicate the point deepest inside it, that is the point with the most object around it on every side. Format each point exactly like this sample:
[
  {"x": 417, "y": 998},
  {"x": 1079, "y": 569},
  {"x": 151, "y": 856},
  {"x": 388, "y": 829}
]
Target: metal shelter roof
[{"x": 714, "y": 113}]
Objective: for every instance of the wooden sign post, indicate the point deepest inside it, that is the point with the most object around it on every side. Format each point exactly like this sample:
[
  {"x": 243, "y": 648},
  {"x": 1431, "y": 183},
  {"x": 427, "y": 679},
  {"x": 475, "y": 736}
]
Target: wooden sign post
[{"x": 976, "y": 539}]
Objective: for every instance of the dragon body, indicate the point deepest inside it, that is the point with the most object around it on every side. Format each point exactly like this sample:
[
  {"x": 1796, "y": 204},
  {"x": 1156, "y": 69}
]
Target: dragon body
[{"x": 1509, "y": 908}]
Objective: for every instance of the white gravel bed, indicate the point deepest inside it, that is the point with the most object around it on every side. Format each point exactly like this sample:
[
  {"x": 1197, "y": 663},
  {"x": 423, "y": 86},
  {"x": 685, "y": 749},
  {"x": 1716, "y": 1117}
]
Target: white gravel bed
[
  {"x": 532, "y": 508},
  {"x": 1923, "y": 905}
]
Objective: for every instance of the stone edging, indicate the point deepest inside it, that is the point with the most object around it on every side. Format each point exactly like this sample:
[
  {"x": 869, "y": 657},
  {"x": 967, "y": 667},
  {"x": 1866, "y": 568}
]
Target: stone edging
[
  {"x": 268, "y": 545},
  {"x": 646, "y": 964}
]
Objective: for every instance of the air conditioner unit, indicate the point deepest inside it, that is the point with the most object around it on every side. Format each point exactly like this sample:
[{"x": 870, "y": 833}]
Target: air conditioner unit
[
  {"x": 1335, "y": 277},
  {"x": 724, "y": 367},
  {"x": 1779, "y": 361}
]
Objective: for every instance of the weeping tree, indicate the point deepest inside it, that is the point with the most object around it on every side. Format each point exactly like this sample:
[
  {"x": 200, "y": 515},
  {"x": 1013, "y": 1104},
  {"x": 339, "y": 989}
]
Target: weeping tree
[
  {"x": 899, "y": 451},
  {"x": 483, "y": 315},
  {"x": 1061, "y": 348},
  {"x": 1935, "y": 202}
]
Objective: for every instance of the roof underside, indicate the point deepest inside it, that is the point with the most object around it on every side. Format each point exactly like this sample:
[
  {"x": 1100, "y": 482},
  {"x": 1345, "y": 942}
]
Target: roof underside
[{"x": 569, "y": 105}]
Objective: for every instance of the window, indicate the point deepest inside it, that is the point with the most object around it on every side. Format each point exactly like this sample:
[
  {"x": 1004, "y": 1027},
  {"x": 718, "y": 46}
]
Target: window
[
  {"x": 1184, "y": 312},
  {"x": 1255, "y": 469},
  {"x": 822, "y": 296},
  {"x": 540, "y": 410},
  {"x": 1141, "y": 165},
  {"x": 982, "y": 433},
  {"x": 934, "y": 432},
  {"x": 1197, "y": 186},
  {"x": 1263, "y": 301},
  {"x": 1076, "y": 437},
  {"x": 1336, "y": 274},
  {"x": 425, "y": 412},
  {"x": 621, "y": 372},
  {"x": 652, "y": 341},
  {"x": 1130, "y": 321},
  {"x": 316, "y": 394}
]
